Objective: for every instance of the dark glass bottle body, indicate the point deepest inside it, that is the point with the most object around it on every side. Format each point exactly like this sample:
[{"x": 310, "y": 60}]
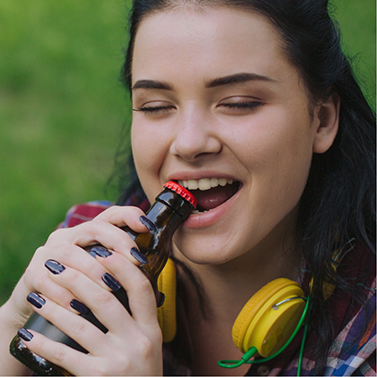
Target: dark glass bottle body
[{"x": 172, "y": 206}]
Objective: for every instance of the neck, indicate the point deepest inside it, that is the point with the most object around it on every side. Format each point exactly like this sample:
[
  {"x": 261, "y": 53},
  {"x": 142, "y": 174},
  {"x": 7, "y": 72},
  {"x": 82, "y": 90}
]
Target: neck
[
  {"x": 231, "y": 284},
  {"x": 226, "y": 288}
]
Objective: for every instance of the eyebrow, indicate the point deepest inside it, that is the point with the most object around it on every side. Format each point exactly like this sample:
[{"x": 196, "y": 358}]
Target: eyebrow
[
  {"x": 152, "y": 84},
  {"x": 237, "y": 78},
  {"x": 226, "y": 80}
]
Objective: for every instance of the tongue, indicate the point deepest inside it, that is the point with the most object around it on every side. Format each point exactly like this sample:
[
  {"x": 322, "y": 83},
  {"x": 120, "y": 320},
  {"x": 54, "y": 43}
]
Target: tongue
[{"x": 212, "y": 198}]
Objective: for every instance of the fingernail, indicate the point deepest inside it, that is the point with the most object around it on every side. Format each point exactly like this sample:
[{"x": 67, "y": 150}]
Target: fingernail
[
  {"x": 140, "y": 257},
  {"x": 79, "y": 306},
  {"x": 55, "y": 267},
  {"x": 36, "y": 300},
  {"x": 148, "y": 223},
  {"x": 111, "y": 282},
  {"x": 100, "y": 251},
  {"x": 161, "y": 299},
  {"x": 25, "y": 335}
]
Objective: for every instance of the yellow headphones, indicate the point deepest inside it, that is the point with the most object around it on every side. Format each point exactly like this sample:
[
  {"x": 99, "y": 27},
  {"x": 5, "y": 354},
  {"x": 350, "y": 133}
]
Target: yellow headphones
[
  {"x": 269, "y": 318},
  {"x": 266, "y": 324},
  {"x": 266, "y": 321}
]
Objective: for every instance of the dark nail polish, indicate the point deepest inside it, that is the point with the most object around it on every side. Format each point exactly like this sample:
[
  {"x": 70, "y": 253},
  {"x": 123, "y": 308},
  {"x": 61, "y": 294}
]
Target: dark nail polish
[
  {"x": 54, "y": 266},
  {"x": 101, "y": 251},
  {"x": 79, "y": 306},
  {"x": 36, "y": 300},
  {"x": 161, "y": 299},
  {"x": 25, "y": 335},
  {"x": 140, "y": 257},
  {"x": 148, "y": 223},
  {"x": 111, "y": 282}
]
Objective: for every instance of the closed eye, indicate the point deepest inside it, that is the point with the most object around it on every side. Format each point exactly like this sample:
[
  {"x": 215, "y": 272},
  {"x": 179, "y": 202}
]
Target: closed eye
[
  {"x": 242, "y": 105},
  {"x": 154, "y": 109},
  {"x": 239, "y": 108}
]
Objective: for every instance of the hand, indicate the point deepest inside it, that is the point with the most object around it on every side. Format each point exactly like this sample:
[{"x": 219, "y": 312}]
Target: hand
[{"x": 133, "y": 343}]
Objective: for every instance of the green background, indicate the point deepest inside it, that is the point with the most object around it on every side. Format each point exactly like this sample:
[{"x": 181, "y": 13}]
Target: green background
[{"x": 62, "y": 110}]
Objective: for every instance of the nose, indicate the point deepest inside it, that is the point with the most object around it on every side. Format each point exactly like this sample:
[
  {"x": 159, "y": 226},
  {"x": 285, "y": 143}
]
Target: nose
[{"x": 195, "y": 137}]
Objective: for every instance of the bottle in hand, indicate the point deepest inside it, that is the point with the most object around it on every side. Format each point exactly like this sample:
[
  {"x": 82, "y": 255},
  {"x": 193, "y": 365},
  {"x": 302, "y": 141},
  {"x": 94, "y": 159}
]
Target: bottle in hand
[{"x": 172, "y": 207}]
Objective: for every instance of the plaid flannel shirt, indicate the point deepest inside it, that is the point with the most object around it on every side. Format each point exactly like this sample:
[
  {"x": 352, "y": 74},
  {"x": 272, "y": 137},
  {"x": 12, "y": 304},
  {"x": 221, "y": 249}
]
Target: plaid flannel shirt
[{"x": 345, "y": 358}]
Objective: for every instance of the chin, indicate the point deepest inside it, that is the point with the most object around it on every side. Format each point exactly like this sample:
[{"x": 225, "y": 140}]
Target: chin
[{"x": 194, "y": 252}]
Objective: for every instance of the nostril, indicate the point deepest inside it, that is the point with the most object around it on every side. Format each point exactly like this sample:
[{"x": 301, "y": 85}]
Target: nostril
[{"x": 192, "y": 143}]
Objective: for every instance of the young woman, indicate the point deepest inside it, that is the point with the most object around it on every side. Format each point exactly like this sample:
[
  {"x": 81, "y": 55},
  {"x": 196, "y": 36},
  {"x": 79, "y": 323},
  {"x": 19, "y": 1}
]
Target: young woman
[{"x": 252, "y": 106}]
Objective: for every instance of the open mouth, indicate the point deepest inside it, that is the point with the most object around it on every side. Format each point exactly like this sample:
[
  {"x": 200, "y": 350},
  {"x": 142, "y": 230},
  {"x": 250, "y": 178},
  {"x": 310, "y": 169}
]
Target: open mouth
[{"x": 211, "y": 192}]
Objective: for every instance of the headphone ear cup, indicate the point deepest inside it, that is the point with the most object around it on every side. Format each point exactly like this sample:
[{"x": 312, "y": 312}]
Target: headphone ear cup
[
  {"x": 166, "y": 313},
  {"x": 262, "y": 325}
]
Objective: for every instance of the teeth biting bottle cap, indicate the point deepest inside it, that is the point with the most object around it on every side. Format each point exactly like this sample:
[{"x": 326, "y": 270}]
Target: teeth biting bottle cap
[{"x": 186, "y": 194}]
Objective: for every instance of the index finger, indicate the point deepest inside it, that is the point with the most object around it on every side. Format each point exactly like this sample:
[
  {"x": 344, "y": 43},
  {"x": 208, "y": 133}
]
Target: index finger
[{"x": 124, "y": 216}]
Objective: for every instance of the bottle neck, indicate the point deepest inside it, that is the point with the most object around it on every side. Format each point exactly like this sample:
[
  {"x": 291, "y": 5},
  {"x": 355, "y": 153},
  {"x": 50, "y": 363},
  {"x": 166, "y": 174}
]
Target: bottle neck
[{"x": 164, "y": 217}]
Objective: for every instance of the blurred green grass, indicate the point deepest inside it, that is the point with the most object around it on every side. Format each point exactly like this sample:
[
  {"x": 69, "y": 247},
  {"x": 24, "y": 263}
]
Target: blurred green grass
[{"x": 62, "y": 109}]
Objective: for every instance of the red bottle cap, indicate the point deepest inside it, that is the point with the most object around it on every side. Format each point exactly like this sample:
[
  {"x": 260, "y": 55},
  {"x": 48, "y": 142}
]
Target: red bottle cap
[{"x": 186, "y": 194}]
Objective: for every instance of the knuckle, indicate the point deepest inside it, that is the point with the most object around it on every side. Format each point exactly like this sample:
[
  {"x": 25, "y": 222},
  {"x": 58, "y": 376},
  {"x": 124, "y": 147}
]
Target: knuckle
[
  {"x": 72, "y": 278},
  {"x": 145, "y": 347},
  {"x": 108, "y": 212},
  {"x": 78, "y": 327},
  {"x": 102, "y": 297},
  {"x": 41, "y": 281},
  {"x": 93, "y": 228},
  {"x": 65, "y": 252},
  {"x": 59, "y": 354},
  {"x": 56, "y": 235}
]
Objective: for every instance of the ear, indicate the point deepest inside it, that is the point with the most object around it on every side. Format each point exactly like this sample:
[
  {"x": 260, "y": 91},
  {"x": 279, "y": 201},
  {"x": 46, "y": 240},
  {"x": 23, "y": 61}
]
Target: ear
[{"x": 327, "y": 128}]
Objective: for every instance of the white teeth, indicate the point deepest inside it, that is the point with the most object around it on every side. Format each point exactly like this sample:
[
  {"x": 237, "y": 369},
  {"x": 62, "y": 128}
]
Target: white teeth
[
  {"x": 222, "y": 181},
  {"x": 205, "y": 183},
  {"x": 192, "y": 184},
  {"x": 214, "y": 182},
  {"x": 195, "y": 212}
]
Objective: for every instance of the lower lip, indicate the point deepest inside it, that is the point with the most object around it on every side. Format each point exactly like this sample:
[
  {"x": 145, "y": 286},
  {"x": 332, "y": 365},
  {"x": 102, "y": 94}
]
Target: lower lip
[{"x": 210, "y": 217}]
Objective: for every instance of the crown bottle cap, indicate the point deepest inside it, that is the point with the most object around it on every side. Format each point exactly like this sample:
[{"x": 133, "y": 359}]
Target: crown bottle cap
[{"x": 184, "y": 193}]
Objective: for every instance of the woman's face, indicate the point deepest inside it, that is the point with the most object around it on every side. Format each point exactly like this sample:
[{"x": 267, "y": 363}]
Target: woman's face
[{"x": 218, "y": 102}]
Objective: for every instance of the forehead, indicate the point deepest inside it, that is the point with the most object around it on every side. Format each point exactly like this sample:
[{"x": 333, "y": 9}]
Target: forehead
[{"x": 212, "y": 37}]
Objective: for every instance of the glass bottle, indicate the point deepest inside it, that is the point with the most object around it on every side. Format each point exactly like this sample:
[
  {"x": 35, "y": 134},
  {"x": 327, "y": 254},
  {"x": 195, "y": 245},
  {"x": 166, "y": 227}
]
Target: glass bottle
[{"x": 172, "y": 207}]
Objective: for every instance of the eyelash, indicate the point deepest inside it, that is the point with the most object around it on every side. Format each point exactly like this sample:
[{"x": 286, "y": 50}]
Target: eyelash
[
  {"x": 154, "y": 109},
  {"x": 242, "y": 105},
  {"x": 231, "y": 105}
]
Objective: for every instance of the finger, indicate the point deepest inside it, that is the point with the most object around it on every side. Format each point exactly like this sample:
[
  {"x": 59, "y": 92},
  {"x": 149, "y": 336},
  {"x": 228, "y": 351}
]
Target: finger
[
  {"x": 37, "y": 279},
  {"x": 75, "y": 257},
  {"x": 70, "y": 255},
  {"x": 75, "y": 326},
  {"x": 56, "y": 353},
  {"x": 95, "y": 232},
  {"x": 97, "y": 295},
  {"x": 142, "y": 299},
  {"x": 124, "y": 216}
]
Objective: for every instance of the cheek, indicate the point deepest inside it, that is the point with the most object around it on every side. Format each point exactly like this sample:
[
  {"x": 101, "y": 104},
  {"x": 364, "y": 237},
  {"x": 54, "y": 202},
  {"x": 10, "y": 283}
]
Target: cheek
[
  {"x": 279, "y": 156},
  {"x": 149, "y": 151}
]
